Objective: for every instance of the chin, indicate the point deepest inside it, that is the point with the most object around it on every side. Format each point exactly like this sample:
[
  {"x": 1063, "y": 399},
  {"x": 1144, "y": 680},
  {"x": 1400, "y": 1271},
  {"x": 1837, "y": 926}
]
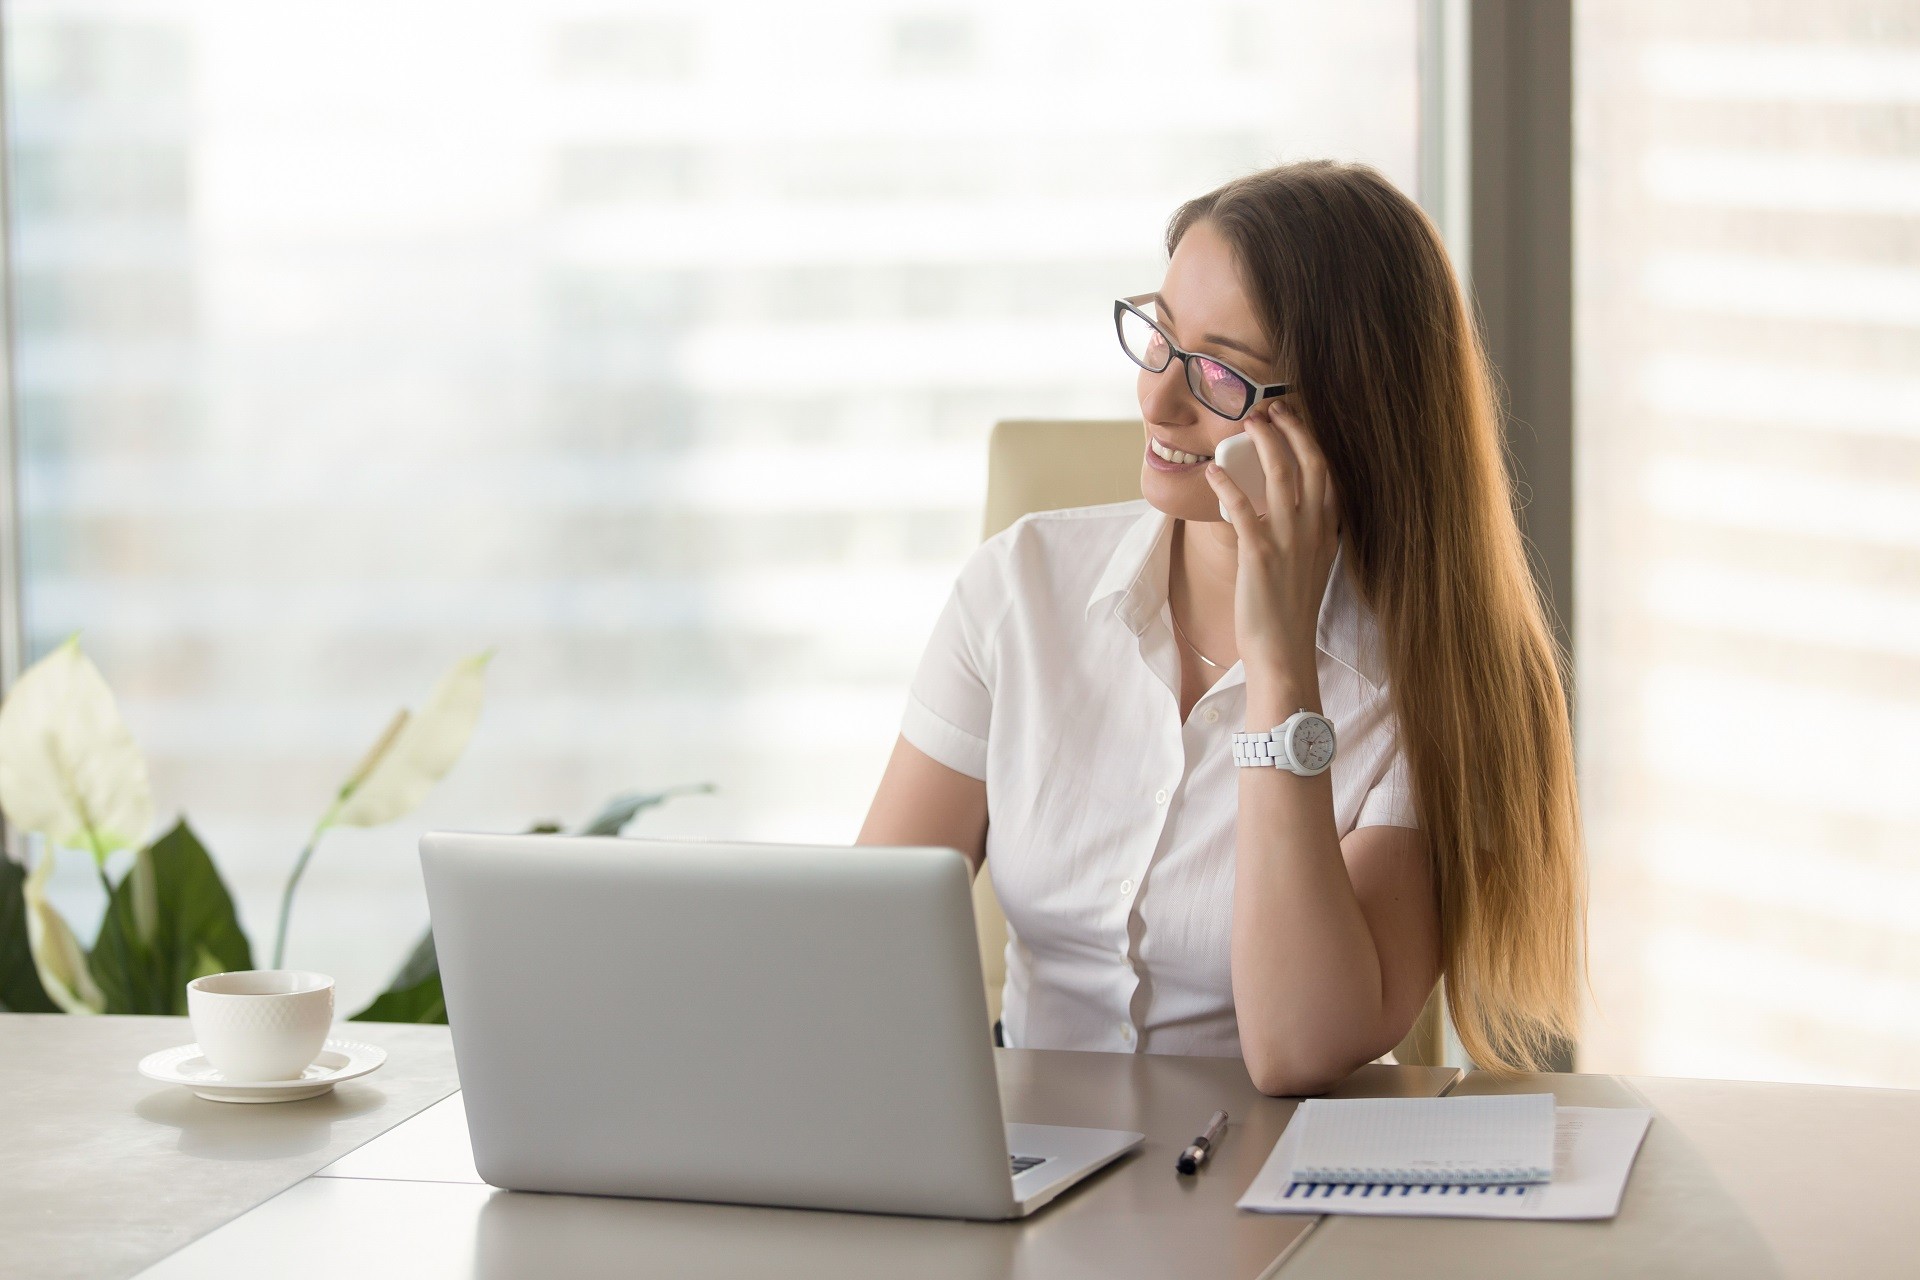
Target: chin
[{"x": 1184, "y": 497}]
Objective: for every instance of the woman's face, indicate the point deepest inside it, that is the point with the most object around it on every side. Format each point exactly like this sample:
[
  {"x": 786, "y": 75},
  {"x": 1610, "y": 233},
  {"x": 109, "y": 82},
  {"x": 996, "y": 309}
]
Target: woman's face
[{"x": 1205, "y": 309}]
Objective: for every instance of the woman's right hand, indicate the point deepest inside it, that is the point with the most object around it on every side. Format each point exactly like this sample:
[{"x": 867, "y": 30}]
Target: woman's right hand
[{"x": 1284, "y": 556}]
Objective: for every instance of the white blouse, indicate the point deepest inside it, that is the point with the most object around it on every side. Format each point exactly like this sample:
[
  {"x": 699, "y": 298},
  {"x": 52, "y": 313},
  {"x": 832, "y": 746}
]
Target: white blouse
[{"x": 1053, "y": 676}]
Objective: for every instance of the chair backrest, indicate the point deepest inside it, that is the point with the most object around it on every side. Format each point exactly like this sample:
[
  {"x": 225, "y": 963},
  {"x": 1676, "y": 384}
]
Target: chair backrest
[
  {"x": 1045, "y": 466},
  {"x": 1037, "y": 465}
]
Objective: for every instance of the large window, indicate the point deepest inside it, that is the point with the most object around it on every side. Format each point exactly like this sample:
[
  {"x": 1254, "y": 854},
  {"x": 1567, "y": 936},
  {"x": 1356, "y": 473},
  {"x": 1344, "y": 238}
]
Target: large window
[
  {"x": 1749, "y": 458},
  {"x": 653, "y": 345}
]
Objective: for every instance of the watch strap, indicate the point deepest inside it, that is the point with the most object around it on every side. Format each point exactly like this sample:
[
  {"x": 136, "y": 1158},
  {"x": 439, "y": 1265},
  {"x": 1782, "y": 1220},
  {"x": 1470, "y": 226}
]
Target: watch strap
[
  {"x": 1261, "y": 750},
  {"x": 1271, "y": 749}
]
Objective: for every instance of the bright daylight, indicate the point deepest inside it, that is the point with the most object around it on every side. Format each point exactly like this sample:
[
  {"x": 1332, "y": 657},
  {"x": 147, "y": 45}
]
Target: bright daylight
[{"x": 880, "y": 638}]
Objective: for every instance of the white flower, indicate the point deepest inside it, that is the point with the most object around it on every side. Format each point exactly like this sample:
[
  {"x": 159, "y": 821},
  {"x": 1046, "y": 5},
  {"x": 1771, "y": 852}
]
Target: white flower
[
  {"x": 57, "y": 954},
  {"x": 417, "y": 750},
  {"x": 68, "y": 767}
]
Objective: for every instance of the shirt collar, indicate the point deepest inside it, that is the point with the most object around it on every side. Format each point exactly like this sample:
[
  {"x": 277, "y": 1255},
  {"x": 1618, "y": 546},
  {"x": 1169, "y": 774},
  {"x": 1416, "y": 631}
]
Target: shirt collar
[
  {"x": 1137, "y": 574},
  {"x": 1137, "y": 570}
]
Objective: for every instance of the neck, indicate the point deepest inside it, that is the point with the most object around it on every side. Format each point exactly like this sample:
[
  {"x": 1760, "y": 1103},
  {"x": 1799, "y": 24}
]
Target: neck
[{"x": 1200, "y": 582}]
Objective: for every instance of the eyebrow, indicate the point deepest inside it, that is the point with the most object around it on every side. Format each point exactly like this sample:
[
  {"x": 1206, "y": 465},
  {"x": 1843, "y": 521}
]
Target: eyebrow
[{"x": 1214, "y": 338}]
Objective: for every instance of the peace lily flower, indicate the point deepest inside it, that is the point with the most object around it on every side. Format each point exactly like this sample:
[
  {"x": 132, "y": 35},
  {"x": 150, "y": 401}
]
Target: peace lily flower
[
  {"x": 58, "y": 956},
  {"x": 414, "y": 752},
  {"x": 71, "y": 773},
  {"x": 69, "y": 769}
]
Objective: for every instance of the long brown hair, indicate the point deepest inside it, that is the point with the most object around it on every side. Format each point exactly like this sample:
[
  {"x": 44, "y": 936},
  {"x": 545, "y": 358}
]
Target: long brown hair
[{"x": 1353, "y": 287}]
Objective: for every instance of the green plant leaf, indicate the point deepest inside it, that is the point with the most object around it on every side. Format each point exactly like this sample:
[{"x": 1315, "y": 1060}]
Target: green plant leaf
[
  {"x": 419, "y": 750},
  {"x": 20, "y": 989},
  {"x": 423, "y": 962},
  {"x": 623, "y": 809},
  {"x": 69, "y": 769},
  {"x": 415, "y": 994},
  {"x": 205, "y": 964},
  {"x": 422, "y": 1002},
  {"x": 58, "y": 957},
  {"x": 194, "y": 929}
]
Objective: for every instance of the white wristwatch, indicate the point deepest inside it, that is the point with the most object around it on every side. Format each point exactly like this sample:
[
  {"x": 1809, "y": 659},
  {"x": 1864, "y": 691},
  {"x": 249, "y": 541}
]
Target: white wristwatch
[{"x": 1303, "y": 745}]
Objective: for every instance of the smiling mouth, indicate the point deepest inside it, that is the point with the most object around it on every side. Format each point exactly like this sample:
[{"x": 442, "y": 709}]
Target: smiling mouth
[{"x": 1162, "y": 452}]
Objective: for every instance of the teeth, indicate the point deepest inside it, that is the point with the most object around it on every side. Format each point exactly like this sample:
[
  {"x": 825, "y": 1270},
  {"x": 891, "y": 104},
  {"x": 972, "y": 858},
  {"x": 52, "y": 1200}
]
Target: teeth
[{"x": 1175, "y": 455}]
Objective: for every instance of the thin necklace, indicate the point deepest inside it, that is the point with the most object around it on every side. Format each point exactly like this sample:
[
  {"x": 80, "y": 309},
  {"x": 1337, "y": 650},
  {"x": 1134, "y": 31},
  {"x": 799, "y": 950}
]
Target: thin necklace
[{"x": 1190, "y": 644}]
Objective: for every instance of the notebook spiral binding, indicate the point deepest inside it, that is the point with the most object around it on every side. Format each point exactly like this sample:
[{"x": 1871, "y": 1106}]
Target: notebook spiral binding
[
  {"x": 1474, "y": 1176},
  {"x": 1361, "y": 1190}
]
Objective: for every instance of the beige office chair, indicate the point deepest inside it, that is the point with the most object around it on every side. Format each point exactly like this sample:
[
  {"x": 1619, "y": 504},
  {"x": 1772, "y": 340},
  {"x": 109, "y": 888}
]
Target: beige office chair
[{"x": 1044, "y": 466}]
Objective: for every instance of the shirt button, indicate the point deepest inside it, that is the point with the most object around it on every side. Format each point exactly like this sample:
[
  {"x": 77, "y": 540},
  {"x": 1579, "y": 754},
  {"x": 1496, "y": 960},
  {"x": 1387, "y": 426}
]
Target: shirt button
[
  {"x": 1160, "y": 796},
  {"x": 1126, "y": 887},
  {"x": 1213, "y": 715},
  {"x": 1126, "y": 1032}
]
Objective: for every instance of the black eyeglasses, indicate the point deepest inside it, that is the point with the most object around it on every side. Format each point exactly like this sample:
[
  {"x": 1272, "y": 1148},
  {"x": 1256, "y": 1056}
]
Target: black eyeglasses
[{"x": 1220, "y": 387}]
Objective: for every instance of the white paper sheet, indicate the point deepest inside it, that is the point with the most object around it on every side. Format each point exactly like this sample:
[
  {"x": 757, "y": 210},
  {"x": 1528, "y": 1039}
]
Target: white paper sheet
[{"x": 1594, "y": 1148}]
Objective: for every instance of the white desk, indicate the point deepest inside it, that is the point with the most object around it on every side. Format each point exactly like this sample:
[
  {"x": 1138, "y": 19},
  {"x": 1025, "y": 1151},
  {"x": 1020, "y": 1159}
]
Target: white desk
[
  {"x": 1735, "y": 1179},
  {"x": 410, "y": 1203},
  {"x": 103, "y": 1173}
]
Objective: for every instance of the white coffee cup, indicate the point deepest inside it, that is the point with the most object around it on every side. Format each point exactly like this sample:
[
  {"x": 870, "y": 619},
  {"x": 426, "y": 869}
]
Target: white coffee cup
[{"x": 261, "y": 1024}]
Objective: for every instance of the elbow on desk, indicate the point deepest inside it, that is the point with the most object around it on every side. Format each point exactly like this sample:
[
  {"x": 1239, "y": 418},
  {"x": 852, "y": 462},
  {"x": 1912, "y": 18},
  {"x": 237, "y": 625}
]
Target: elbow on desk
[
  {"x": 1284, "y": 1085},
  {"x": 1279, "y": 1076}
]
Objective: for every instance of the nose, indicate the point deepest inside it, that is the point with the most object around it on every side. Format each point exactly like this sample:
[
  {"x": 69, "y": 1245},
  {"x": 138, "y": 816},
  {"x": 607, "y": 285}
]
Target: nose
[{"x": 1166, "y": 397}]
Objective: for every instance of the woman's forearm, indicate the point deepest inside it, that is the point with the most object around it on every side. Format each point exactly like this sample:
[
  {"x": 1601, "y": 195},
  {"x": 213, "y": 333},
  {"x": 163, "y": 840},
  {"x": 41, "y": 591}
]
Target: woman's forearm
[{"x": 1308, "y": 986}]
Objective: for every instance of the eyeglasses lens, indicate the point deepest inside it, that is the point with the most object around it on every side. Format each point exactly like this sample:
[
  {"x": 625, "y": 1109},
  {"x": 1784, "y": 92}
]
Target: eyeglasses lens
[
  {"x": 1143, "y": 342},
  {"x": 1220, "y": 388}
]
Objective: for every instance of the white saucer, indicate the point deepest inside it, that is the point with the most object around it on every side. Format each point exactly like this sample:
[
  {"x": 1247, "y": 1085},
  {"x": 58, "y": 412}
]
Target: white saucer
[{"x": 339, "y": 1060}]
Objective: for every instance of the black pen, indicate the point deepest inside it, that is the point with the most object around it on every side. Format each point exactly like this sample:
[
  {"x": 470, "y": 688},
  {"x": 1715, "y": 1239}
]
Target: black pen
[{"x": 1196, "y": 1155}]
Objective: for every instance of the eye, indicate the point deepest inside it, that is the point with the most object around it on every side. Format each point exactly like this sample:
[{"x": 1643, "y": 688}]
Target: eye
[{"x": 1221, "y": 386}]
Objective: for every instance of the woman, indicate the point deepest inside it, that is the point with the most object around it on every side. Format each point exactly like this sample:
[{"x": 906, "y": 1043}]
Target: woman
[{"x": 1073, "y": 720}]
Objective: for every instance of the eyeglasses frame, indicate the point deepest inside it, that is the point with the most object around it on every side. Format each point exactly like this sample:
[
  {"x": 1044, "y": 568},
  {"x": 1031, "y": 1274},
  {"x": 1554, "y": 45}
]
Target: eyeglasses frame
[{"x": 1256, "y": 390}]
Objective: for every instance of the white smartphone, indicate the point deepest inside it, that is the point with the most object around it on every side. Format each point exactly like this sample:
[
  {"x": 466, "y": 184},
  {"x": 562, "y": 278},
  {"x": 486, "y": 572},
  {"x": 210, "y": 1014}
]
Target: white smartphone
[{"x": 1241, "y": 461}]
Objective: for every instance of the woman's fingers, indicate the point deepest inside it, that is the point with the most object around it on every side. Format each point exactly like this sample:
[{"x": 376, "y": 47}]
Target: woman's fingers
[
  {"x": 1312, "y": 463},
  {"x": 1237, "y": 505},
  {"x": 1276, "y": 460}
]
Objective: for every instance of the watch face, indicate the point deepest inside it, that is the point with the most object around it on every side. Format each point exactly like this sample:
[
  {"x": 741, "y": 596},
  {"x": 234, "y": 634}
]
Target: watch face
[{"x": 1313, "y": 743}]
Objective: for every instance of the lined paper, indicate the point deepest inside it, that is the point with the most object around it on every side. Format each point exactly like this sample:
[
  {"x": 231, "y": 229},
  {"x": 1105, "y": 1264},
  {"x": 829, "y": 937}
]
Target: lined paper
[{"x": 1418, "y": 1141}]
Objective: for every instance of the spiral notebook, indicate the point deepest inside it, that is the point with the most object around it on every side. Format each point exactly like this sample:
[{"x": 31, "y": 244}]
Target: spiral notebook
[
  {"x": 1476, "y": 1141},
  {"x": 1594, "y": 1150}
]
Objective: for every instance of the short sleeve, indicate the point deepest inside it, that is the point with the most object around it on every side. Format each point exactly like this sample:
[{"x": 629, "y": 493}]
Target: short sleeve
[
  {"x": 950, "y": 705},
  {"x": 1390, "y": 802}
]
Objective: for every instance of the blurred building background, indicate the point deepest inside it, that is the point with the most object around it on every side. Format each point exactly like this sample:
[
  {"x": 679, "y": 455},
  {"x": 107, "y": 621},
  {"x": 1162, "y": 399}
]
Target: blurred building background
[
  {"x": 653, "y": 345},
  {"x": 1748, "y": 476}
]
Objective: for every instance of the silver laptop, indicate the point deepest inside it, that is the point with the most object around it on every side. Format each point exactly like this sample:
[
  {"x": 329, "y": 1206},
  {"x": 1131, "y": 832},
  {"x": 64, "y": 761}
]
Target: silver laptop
[{"x": 754, "y": 1024}]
